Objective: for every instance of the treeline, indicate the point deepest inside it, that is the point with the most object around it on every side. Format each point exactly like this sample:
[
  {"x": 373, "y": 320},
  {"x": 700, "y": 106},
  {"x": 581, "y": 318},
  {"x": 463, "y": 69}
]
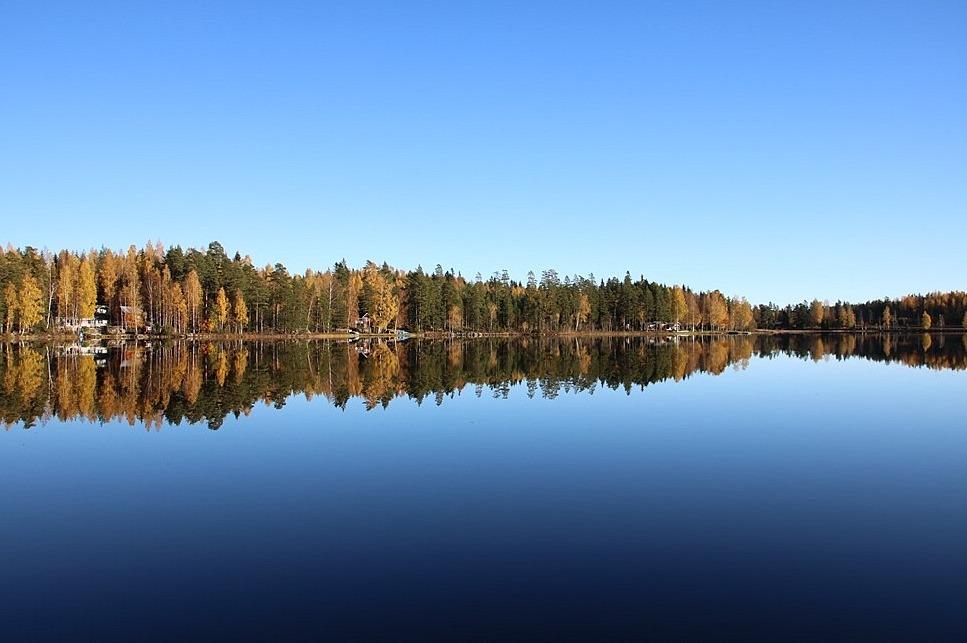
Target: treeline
[
  {"x": 923, "y": 312},
  {"x": 176, "y": 291},
  {"x": 192, "y": 291},
  {"x": 192, "y": 382}
]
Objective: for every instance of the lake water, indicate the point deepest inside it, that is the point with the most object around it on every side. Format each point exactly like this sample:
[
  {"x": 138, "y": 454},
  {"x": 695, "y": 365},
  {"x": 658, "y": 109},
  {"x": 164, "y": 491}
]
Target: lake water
[{"x": 802, "y": 487}]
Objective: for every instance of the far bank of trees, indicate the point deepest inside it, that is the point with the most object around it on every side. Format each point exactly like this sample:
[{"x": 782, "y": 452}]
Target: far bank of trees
[
  {"x": 205, "y": 291},
  {"x": 937, "y": 310},
  {"x": 189, "y": 291}
]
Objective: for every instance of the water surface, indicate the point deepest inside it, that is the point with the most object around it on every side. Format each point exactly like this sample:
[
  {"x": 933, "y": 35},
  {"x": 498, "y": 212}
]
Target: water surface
[{"x": 777, "y": 487}]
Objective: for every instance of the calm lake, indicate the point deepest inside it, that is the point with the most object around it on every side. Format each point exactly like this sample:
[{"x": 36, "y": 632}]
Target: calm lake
[{"x": 792, "y": 487}]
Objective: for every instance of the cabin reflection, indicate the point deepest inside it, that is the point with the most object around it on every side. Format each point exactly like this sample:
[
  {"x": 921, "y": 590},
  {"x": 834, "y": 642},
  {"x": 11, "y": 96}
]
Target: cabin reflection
[{"x": 195, "y": 382}]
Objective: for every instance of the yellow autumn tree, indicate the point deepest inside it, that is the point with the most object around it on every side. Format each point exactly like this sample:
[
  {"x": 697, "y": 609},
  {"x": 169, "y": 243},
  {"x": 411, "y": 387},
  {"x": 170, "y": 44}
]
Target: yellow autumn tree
[
  {"x": 193, "y": 297},
  {"x": 717, "y": 313},
  {"x": 12, "y": 300},
  {"x": 679, "y": 304},
  {"x": 741, "y": 316},
  {"x": 817, "y": 312},
  {"x": 179, "y": 308},
  {"x": 108, "y": 273},
  {"x": 86, "y": 289},
  {"x": 65, "y": 287},
  {"x": 239, "y": 311},
  {"x": 693, "y": 314},
  {"x": 31, "y": 304},
  {"x": 382, "y": 303},
  {"x": 847, "y": 318},
  {"x": 220, "y": 311},
  {"x": 926, "y": 321}
]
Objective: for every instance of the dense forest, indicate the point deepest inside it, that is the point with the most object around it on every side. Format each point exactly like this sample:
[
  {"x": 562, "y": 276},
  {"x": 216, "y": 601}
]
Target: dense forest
[
  {"x": 176, "y": 291},
  {"x": 934, "y": 310},
  {"x": 179, "y": 381}
]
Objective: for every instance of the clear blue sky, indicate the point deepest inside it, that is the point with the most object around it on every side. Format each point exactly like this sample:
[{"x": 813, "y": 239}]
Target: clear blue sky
[{"x": 780, "y": 150}]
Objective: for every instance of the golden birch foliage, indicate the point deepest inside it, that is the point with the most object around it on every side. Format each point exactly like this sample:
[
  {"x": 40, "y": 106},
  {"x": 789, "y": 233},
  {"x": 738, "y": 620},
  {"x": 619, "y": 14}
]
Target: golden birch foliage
[
  {"x": 693, "y": 315},
  {"x": 132, "y": 283},
  {"x": 679, "y": 304},
  {"x": 926, "y": 321},
  {"x": 742, "y": 318},
  {"x": 817, "y": 312},
  {"x": 239, "y": 311},
  {"x": 220, "y": 311},
  {"x": 847, "y": 318},
  {"x": 12, "y": 300},
  {"x": 31, "y": 304},
  {"x": 179, "y": 306},
  {"x": 108, "y": 277},
  {"x": 193, "y": 296},
  {"x": 65, "y": 285},
  {"x": 383, "y": 304},
  {"x": 718, "y": 310},
  {"x": 86, "y": 291}
]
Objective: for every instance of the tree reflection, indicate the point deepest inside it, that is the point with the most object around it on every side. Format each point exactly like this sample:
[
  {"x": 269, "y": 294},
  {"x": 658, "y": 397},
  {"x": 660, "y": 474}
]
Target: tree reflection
[{"x": 191, "y": 382}]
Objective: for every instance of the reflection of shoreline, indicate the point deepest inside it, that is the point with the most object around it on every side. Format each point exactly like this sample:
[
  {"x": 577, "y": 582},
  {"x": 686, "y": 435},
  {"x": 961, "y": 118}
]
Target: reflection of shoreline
[{"x": 158, "y": 383}]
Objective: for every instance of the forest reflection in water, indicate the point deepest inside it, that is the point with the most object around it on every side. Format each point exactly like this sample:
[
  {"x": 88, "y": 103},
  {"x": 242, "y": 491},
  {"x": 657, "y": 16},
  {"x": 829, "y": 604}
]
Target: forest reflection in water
[{"x": 177, "y": 382}]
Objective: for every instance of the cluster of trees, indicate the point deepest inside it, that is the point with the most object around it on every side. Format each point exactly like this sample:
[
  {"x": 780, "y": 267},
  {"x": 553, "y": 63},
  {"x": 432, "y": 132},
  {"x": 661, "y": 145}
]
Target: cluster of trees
[
  {"x": 206, "y": 381},
  {"x": 934, "y": 310},
  {"x": 189, "y": 291}
]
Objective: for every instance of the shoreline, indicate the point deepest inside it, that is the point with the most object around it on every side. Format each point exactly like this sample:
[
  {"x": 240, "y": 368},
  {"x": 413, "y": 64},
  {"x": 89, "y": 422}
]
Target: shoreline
[{"x": 437, "y": 335}]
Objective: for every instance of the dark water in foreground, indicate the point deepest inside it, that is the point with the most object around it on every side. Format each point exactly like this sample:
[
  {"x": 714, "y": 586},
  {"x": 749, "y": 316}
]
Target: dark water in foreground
[{"x": 780, "y": 488}]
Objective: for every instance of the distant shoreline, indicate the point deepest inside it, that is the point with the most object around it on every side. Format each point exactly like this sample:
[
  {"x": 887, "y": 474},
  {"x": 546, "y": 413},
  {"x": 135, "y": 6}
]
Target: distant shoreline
[{"x": 436, "y": 335}]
